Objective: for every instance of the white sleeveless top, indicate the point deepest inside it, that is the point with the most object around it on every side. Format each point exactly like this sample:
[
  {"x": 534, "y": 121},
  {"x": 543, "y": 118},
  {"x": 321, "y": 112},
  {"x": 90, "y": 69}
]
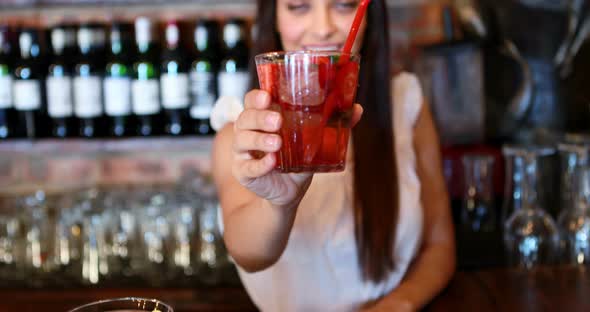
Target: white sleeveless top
[{"x": 318, "y": 270}]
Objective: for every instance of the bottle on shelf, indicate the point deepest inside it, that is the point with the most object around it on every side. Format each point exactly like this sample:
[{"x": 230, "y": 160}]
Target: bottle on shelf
[
  {"x": 88, "y": 81},
  {"x": 117, "y": 82},
  {"x": 174, "y": 83},
  {"x": 203, "y": 76},
  {"x": 60, "y": 107},
  {"x": 233, "y": 78},
  {"x": 145, "y": 88},
  {"x": 28, "y": 87},
  {"x": 7, "y": 113}
]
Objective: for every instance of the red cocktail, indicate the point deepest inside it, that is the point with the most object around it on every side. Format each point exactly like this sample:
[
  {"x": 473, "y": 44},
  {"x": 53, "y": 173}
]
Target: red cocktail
[{"x": 314, "y": 91}]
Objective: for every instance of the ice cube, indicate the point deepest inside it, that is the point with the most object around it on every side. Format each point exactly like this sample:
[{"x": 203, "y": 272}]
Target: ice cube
[{"x": 299, "y": 85}]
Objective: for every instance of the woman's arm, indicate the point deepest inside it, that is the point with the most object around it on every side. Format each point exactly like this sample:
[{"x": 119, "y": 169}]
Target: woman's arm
[
  {"x": 435, "y": 263},
  {"x": 258, "y": 204},
  {"x": 255, "y": 231}
]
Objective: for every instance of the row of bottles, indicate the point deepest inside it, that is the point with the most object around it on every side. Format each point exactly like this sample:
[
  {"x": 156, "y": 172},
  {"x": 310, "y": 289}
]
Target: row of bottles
[{"x": 118, "y": 81}]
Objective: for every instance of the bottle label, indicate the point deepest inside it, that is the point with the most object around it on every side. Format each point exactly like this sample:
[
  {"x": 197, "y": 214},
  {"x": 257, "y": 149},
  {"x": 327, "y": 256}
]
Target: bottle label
[
  {"x": 146, "y": 97},
  {"x": 203, "y": 93},
  {"x": 117, "y": 96},
  {"x": 5, "y": 92},
  {"x": 87, "y": 97},
  {"x": 59, "y": 97},
  {"x": 175, "y": 92},
  {"x": 27, "y": 95},
  {"x": 233, "y": 84}
]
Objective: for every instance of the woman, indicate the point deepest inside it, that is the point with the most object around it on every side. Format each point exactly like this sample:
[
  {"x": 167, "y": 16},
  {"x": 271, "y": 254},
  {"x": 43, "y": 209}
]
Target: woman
[{"x": 376, "y": 237}]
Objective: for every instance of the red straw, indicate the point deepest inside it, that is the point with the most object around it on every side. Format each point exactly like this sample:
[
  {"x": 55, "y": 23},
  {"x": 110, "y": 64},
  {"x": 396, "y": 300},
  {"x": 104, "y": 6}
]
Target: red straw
[{"x": 358, "y": 18}]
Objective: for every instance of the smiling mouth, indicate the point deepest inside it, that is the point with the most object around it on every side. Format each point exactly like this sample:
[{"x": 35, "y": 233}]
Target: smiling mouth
[{"x": 332, "y": 47}]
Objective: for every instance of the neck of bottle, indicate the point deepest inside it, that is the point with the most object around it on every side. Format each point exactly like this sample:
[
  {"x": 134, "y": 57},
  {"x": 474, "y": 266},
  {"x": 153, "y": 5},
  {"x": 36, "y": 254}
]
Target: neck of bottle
[
  {"x": 116, "y": 43},
  {"x": 85, "y": 49},
  {"x": 144, "y": 45},
  {"x": 172, "y": 36},
  {"x": 58, "y": 51},
  {"x": 172, "y": 45},
  {"x": 116, "y": 47},
  {"x": 86, "y": 40},
  {"x": 201, "y": 40},
  {"x": 233, "y": 38},
  {"x": 58, "y": 47},
  {"x": 29, "y": 48},
  {"x": 29, "y": 51}
]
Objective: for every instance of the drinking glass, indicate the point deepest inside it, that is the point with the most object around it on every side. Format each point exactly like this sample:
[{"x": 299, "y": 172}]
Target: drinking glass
[
  {"x": 95, "y": 250},
  {"x": 12, "y": 244},
  {"x": 125, "y": 305},
  {"x": 531, "y": 236},
  {"x": 184, "y": 238},
  {"x": 122, "y": 234},
  {"x": 40, "y": 238},
  {"x": 212, "y": 254},
  {"x": 314, "y": 92},
  {"x": 573, "y": 156},
  {"x": 574, "y": 221},
  {"x": 478, "y": 213},
  {"x": 153, "y": 222}
]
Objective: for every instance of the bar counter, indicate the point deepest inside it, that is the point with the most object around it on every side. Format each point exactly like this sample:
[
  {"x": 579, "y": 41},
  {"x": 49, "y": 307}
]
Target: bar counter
[{"x": 556, "y": 288}]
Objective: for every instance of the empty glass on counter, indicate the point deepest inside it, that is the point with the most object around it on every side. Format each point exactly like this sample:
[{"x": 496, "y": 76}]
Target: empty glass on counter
[
  {"x": 12, "y": 252},
  {"x": 184, "y": 236},
  {"x": 125, "y": 304},
  {"x": 122, "y": 234},
  {"x": 531, "y": 236},
  {"x": 163, "y": 235},
  {"x": 478, "y": 213}
]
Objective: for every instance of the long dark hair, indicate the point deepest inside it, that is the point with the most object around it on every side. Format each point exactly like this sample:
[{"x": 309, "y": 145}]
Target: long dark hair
[{"x": 375, "y": 170}]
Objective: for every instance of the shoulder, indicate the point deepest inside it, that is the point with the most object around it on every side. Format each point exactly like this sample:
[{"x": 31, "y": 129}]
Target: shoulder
[{"x": 407, "y": 96}]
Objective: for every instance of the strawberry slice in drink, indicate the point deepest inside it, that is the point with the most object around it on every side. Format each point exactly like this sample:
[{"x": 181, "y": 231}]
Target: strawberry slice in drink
[
  {"x": 326, "y": 72},
  {"x": 346, "y": 82},
  {"x": 342, "y": 95}
]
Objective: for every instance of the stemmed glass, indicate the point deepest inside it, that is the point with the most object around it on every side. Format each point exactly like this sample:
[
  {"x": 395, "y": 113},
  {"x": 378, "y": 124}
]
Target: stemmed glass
[{"x": 531, "y": 236}]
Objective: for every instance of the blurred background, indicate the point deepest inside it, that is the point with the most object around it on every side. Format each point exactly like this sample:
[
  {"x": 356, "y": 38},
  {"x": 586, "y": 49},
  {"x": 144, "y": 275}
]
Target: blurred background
[{"x": 105, "y": 184}]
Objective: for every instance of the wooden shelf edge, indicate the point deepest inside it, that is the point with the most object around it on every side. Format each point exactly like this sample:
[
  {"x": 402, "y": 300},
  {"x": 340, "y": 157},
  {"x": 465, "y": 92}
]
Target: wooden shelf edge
[
  {"x": 50, "y": 14},
  {"x": 192, "y": 144}
]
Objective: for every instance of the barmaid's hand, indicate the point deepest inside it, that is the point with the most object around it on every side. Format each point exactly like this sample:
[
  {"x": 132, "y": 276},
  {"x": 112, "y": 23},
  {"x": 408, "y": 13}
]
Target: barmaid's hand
[{"x": 255, "y": 143}]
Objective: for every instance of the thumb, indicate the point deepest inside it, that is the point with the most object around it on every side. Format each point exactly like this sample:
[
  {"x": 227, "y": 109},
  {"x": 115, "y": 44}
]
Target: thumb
[{"x": 357, "y": 113}]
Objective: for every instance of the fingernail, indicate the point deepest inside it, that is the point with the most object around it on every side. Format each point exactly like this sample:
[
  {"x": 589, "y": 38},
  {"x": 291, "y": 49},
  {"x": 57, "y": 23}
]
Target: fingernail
[
  {"x": 272, "y": 119},
  {"x": 262, "y": 97},
  {"x": 271, "y": 141}
]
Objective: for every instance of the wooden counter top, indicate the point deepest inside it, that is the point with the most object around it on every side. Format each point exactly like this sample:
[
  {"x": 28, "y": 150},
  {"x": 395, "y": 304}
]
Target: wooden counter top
[{"x": 559, "y": 288}]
